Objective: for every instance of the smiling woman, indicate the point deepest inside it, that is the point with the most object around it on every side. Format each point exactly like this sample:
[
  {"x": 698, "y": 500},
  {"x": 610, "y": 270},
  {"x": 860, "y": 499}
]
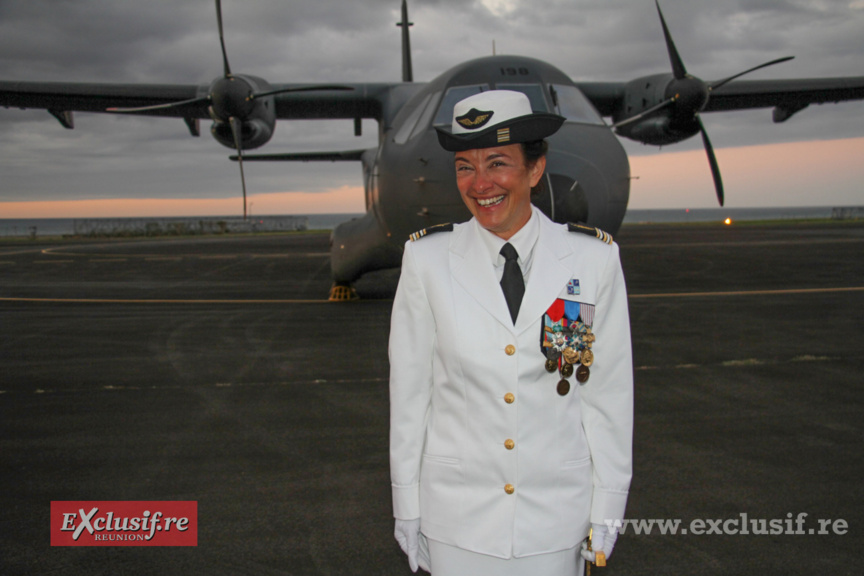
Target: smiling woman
[{"x": 496, "y": 466}]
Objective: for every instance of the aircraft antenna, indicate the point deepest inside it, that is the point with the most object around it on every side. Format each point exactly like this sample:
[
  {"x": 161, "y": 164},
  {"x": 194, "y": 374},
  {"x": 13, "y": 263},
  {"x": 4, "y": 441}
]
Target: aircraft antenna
[{"x": 407, "y": 73}]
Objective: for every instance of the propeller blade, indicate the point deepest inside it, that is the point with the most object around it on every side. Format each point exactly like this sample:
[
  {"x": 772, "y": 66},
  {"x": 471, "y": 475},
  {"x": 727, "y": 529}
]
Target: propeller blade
[
  {"x": 712, "y": 159},
  {"x": 300, "y": 89},
  {"x": 236, "y": 128},
  {"x": 677, "y": 64},
  {"x": 222, "y": 39},
  {"x": 645, "y": 113},
  {"x": 766, "y": 64},
  {"x": 161, "y": 106}
]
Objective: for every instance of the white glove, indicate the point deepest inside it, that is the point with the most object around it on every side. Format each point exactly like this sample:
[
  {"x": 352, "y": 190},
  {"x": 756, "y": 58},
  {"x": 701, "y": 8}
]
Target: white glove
[
  {"x": 602, "y": 540},
  {"x": 407, "y": 533}
]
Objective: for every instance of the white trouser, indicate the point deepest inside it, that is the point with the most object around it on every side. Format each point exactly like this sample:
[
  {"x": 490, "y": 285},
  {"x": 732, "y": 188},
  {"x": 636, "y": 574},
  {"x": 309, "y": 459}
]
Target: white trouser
[{"x": 448, "y": 560}]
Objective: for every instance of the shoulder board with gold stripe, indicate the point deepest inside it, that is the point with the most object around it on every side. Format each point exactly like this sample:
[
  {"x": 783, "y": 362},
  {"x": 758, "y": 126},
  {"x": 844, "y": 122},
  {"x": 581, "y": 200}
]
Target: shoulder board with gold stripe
[
  {"x": 431, "y": 230},
  {"x": 590, "y": 231}
]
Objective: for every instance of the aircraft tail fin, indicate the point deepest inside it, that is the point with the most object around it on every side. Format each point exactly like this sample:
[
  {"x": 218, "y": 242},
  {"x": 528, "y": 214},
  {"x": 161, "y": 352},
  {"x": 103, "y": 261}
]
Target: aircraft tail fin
[{"x": 407, "y": 72}]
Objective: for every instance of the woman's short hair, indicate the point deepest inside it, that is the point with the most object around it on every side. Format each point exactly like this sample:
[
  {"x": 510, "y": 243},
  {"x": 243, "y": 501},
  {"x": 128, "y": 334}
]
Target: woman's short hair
[{"x": 533, "y": 151}]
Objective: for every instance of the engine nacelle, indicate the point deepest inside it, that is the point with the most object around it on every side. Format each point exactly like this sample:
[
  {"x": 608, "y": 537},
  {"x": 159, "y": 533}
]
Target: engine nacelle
[
  {"x": 669, "y": 125},
  {"x": 659, "y": 130},
  {"x": 254, "y": 133}
]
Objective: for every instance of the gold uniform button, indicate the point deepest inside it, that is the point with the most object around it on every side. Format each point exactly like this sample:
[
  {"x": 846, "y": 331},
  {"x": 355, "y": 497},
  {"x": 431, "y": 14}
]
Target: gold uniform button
[
  {"x": 509, "y": 488},
  {"x": 509, "y": 444},
  {"x": 509, "y": 398},
  {"x": 510, "y": 350}
]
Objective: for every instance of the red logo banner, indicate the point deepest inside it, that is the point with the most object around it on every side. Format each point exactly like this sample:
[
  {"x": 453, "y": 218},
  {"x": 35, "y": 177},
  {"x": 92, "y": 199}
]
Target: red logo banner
[{"x": 124, "y": 523}]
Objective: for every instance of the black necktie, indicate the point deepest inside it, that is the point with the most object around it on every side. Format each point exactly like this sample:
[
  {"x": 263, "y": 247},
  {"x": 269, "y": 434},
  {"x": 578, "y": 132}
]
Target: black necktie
[{"x": 511, "y": 282}]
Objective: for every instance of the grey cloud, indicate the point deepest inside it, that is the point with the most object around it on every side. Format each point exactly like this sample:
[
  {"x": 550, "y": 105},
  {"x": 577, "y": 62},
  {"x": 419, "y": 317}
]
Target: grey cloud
[{"x": 333, "y": 40}]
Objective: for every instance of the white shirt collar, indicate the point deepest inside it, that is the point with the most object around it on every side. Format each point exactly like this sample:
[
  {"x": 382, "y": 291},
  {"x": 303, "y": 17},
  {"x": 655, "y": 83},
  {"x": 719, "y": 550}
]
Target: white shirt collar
[{"x": 523, "y": 241}]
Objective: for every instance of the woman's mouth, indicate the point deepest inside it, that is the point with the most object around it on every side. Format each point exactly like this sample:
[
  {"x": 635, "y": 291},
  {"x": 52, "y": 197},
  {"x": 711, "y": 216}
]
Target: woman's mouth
[{"x": 487, "y": 202}]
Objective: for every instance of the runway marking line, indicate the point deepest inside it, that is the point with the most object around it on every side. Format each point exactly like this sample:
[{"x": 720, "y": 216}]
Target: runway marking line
[
  {"x": 297, "y": 255},
  {"x": 747, "y": 293},
  {"x": 311, "y": 301},
  {"x": 805, "y": 241},
  {"x": 61, "y": 252},
  {"x": 743, "y": 363},
  {"x": 163, "y": 301},
  {"x": 112, "y": 388}
]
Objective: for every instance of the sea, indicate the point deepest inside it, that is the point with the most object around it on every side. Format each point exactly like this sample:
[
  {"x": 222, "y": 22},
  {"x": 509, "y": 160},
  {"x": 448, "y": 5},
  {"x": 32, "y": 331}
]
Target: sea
[{"x": 65, "y": 226}]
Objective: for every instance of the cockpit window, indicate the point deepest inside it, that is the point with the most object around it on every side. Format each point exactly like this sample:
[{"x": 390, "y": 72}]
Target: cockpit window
[
  {"x": 423, "y": 122},
  {"x": 405, "y": 130},
  {"x": 454, "y": 95},
  {"x": 572, "y": 104},
  {"x": 534, "y": 93}
]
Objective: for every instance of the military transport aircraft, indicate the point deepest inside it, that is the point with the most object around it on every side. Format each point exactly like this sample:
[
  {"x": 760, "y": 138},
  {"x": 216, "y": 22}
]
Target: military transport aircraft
[{"x": 409, "y": 180}]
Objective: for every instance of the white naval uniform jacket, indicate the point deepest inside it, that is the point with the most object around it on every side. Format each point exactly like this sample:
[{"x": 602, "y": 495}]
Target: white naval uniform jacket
[{"x": 451, "y": 378}]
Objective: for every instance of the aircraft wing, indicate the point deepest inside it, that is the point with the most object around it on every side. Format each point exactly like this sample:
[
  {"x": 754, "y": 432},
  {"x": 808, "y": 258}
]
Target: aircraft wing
[
  {"x": 788, "y": 96},
  {"x": 85, "y": 97},
  {"x": 337, "y": 156},
  {"x": 369, "y": 100},
  {"x": 607, "y": 97},
  {"x": 361, "y": 101}
]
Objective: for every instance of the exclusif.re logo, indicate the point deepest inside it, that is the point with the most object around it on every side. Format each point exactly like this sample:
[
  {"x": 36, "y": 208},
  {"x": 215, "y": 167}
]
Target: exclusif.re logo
[{"x": 124, "y": 523}]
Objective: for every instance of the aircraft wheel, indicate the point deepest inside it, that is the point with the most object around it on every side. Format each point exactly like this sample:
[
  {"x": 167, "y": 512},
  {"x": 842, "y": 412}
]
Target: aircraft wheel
[{"x": 342, "y": 293}]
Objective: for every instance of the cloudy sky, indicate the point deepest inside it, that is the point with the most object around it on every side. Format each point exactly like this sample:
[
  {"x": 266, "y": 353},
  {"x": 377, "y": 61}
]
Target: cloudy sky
[{"x": 124, "y": 166}]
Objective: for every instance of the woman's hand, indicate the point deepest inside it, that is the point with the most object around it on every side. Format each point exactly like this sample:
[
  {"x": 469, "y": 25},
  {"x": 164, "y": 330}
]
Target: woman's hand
[
  {"x": 602, "y": 540},
  {"x": 407, "y": 533}
]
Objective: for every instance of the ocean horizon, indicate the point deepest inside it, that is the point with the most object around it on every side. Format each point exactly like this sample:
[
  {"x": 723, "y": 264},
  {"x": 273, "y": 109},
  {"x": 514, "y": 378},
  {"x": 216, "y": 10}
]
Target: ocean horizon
[{"x": 65, "y": 226}]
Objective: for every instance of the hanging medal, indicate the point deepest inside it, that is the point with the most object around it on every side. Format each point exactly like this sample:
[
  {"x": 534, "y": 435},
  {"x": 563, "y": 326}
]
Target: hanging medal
[{"x": 566, "y": 341}]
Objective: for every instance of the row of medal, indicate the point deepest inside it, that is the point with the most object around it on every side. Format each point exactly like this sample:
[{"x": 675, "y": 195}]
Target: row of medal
[{"x": 566, "y": 341}]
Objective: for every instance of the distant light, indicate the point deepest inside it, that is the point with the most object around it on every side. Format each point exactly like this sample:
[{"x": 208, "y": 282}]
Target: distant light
[
  {"x": 687, "y": 210},
  {"x": 728, "y": 221}
]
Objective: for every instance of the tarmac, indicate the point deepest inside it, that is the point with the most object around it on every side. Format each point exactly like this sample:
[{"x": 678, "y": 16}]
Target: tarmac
[{"x": 213, "y": 369}]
